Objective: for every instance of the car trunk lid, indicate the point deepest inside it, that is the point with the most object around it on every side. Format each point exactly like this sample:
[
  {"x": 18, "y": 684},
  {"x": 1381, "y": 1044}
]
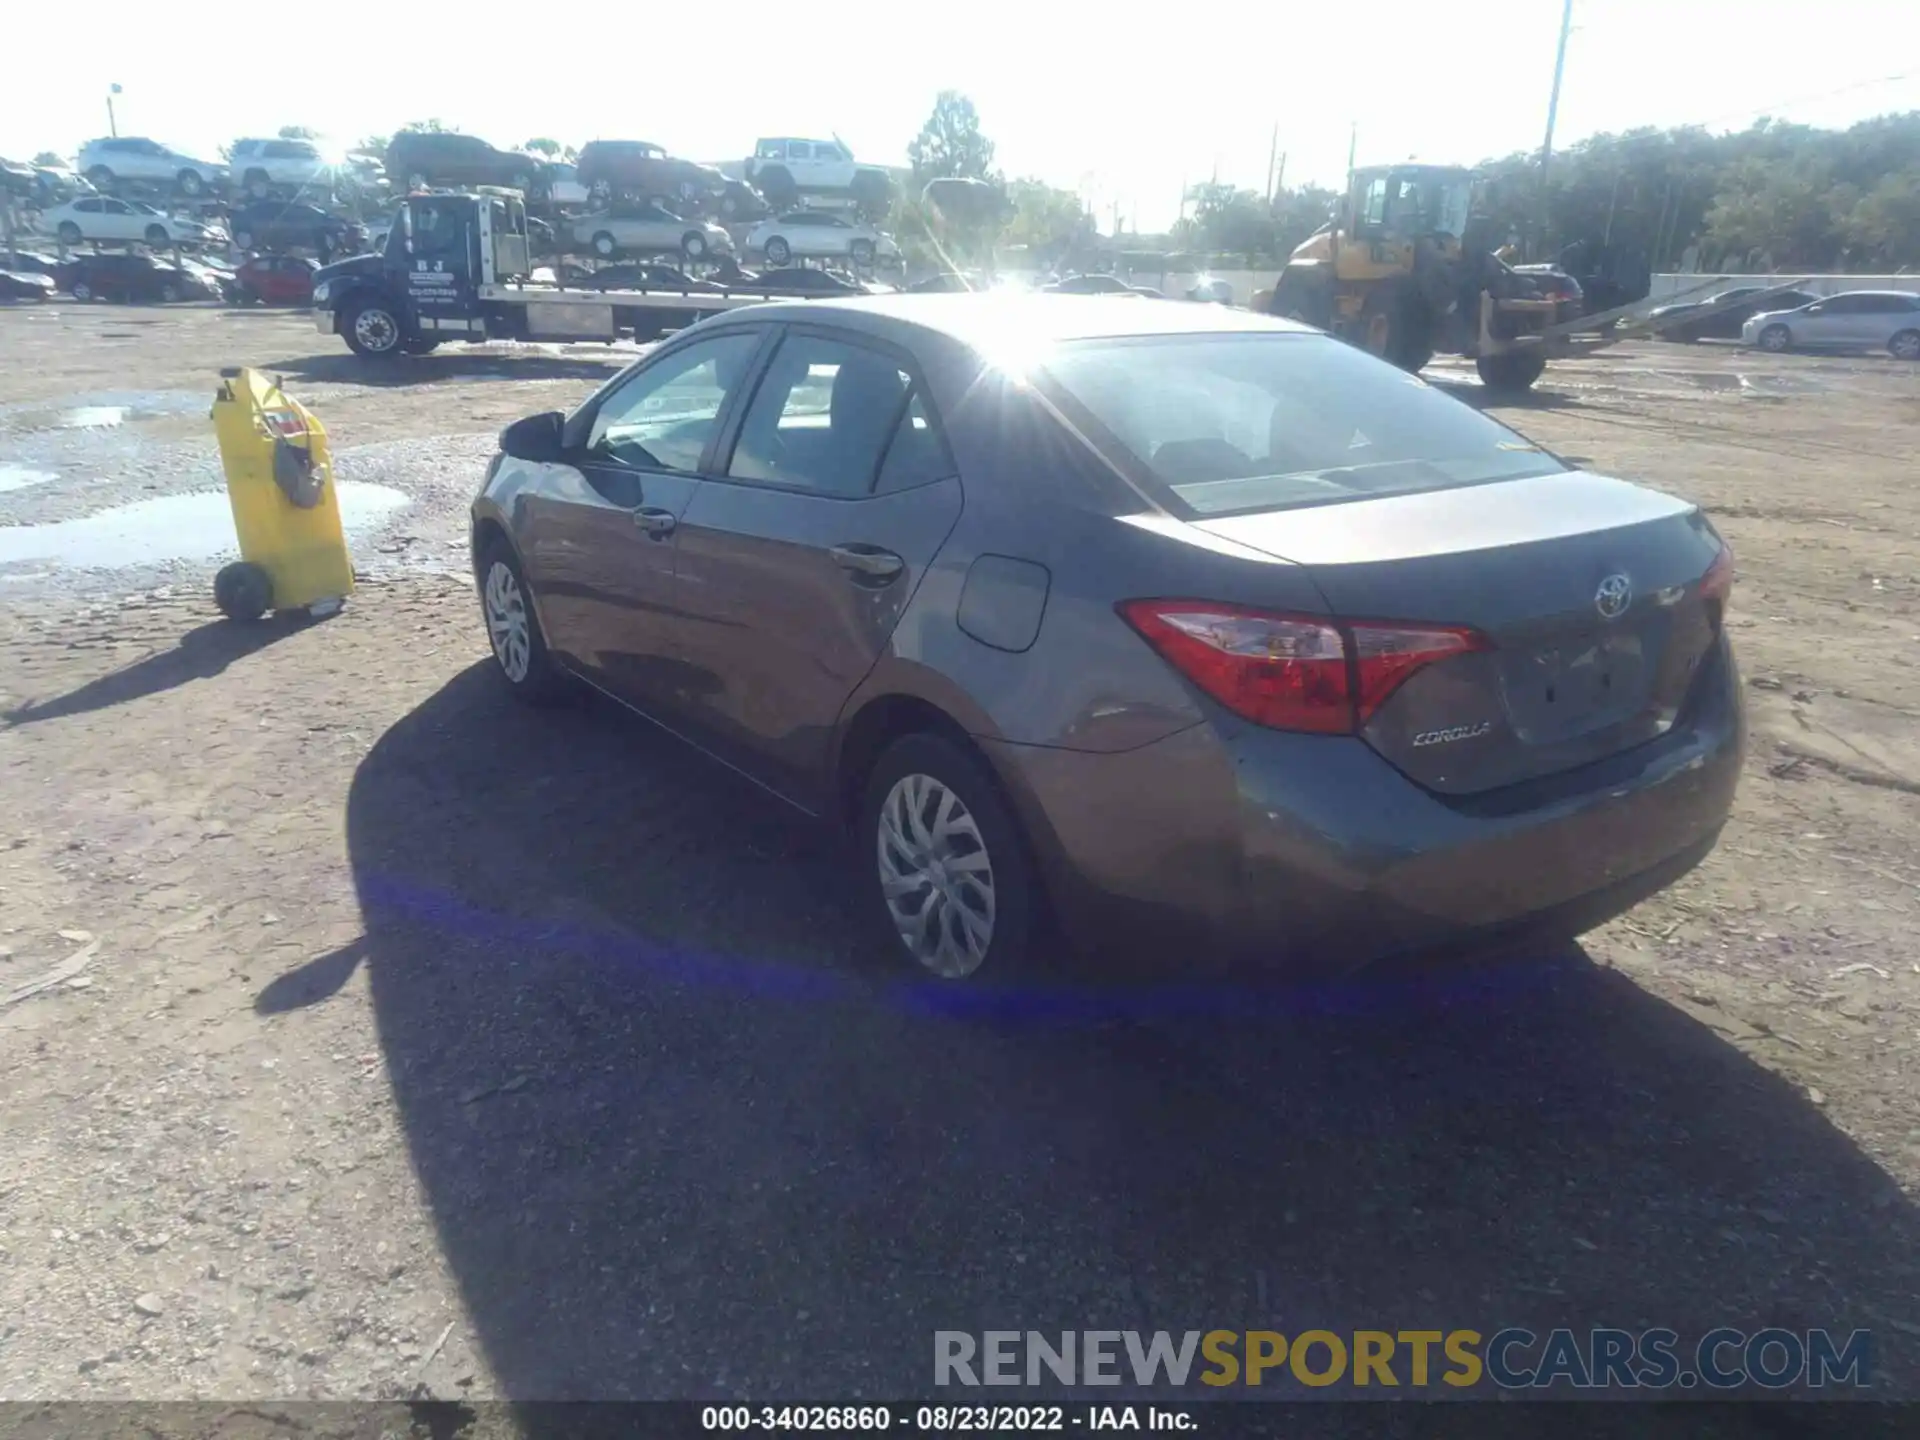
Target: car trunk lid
[{"x": 1586, "y": 591}]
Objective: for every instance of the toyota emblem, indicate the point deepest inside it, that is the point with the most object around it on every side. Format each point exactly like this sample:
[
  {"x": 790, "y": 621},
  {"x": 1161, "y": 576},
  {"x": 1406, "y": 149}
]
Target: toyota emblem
[{"x": 1613, "y": 597}]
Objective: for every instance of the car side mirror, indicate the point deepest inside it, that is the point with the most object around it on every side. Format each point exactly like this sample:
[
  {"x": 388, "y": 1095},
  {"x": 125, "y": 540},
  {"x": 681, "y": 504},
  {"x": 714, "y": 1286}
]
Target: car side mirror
[{"x": 538, "y": 439}]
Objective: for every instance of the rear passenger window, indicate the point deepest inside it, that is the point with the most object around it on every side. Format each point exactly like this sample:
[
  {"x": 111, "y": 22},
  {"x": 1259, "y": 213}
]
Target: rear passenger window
[
  {"x": 917, "y": 454},
  {"x": 822, "y": 418}
]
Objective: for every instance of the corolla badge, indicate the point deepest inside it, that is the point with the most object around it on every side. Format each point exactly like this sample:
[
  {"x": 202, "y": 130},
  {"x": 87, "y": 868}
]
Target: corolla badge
[
  {"x": 1613, "y": 597},
  {"x": 1451, "y": 734}
]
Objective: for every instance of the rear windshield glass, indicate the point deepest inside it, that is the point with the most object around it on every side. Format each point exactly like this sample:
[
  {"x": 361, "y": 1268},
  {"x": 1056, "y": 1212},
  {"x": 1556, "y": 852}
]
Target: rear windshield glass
[{"x": 1224, "y": 424}]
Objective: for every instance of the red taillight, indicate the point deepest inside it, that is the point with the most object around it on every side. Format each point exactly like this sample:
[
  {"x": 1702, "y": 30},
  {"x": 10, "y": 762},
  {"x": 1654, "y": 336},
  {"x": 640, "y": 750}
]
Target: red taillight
[
  {"x": 1291, "y": 672},
  {"x": 1385, "y": 655},
  {"x": 1717, "y": 583}
]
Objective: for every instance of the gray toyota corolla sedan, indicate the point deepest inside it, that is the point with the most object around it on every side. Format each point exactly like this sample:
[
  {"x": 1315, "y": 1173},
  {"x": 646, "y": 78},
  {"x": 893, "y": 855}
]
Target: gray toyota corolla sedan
[{"x": 1187, "y": 625}]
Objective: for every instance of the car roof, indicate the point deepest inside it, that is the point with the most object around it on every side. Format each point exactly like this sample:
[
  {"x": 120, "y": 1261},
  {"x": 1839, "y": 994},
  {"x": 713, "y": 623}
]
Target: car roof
[
  {"x": 1878, "y": 294},
  {"x": 981, "y": 321}
]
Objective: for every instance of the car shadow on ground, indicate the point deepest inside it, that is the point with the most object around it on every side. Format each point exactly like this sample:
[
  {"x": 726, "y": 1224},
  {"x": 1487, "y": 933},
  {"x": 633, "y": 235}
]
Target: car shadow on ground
[
  {"x": 349, "y": 369},
  {"x": 680, "y": 1142},
  {"x": 202, "y": 653},
  {"x": 1472, "y": 392}
]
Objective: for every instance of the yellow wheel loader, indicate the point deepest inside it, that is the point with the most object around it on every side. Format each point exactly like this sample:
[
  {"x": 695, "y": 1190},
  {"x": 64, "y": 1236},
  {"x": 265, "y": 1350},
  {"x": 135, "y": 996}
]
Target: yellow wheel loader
[{"x": 1390, "y": 273}]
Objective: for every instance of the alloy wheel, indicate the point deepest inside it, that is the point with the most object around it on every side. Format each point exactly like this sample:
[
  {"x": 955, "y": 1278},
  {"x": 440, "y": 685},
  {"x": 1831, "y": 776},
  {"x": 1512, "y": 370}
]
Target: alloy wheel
[
  {"x": 507, "y": 624},
  {"x": 936, "y": 876},
  {"x": 375, "y": 329}
]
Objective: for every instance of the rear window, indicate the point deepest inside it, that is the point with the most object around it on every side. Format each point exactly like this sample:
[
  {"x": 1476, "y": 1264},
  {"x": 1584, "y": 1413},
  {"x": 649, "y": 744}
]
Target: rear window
[{"x": 1225, "y": 424}]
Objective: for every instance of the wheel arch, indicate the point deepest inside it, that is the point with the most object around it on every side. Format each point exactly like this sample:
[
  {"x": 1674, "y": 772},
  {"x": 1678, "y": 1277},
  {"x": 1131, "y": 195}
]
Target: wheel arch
[
  {"x": 491, "y": 527},
  {"x": 877, "y": 721}
]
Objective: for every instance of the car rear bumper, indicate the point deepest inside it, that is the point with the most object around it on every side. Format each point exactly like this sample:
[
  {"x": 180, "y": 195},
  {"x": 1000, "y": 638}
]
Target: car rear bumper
[{"x": 1313, "y": 855}]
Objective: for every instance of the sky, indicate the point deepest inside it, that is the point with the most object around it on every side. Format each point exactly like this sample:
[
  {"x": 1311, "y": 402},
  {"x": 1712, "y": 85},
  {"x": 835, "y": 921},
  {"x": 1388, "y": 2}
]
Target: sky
[{"x": 1127, "y": 111}]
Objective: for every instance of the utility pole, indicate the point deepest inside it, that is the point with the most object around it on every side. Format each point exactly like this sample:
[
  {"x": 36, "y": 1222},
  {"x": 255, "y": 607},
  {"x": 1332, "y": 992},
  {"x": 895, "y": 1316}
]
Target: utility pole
[
  {"x": 1553, "y": 111},
  {"x": 113, "y": 126},
  {"x": 1273, "y": 151}
]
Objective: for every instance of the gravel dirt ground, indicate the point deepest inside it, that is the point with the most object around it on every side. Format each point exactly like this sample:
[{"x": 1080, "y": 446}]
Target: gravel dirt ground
[{"x": 366, "y": 1036}]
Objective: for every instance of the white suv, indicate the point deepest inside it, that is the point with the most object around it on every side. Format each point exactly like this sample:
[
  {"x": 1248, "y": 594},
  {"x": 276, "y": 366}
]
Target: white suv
[
  {"x": 261, "y": 166},
  {"x": 785, "y": 169},
  {"x": 107, "y": 162}
]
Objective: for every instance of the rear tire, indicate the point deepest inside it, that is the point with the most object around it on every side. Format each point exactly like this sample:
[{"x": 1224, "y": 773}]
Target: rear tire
[
  {"x": 861, "y": 252},
  {"x": 169, "y": 294},
  {"x": 157, "y": 236},
  {"x": 190, "y": 183},
  {"x": 1905, "y": 345},
  {"x": 81, "y": 290},
  {"x": 243, "y": 591},
  {"x": 1512, "y": 372},
  {"x": 258, "y": 184},
  {"x": 68, "y": 234},
  {"x": 605, "y": 246},
  {"x": 778, "y": 251},
  {"x": 513, "y": 630},
  {"x": 101, "y": 178},
  {"x": 1776, "y": 339},
  {"x": 948, "y": 881}
]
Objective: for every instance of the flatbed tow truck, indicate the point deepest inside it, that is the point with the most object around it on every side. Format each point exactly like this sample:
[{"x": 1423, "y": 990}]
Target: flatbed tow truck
[{"x": 458, "y": 266}]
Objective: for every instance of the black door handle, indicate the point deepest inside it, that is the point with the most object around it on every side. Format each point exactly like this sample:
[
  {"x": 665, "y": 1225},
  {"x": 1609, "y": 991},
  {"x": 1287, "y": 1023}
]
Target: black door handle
[
  {"x": 868, "y": 562},
  {"x": 655, "y": 522}
]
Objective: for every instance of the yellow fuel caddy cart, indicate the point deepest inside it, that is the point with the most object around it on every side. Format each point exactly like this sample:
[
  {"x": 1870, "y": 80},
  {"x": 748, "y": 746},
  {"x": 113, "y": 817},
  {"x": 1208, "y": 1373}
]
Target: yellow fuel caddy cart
[{"x": 286, "y": 509}]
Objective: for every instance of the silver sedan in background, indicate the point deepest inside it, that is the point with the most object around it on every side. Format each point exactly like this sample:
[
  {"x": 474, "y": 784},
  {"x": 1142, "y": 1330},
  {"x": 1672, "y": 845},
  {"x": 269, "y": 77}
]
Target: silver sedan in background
[
  {"x": 650, "y": 230},
  {"x": 1858, "y": 320}
]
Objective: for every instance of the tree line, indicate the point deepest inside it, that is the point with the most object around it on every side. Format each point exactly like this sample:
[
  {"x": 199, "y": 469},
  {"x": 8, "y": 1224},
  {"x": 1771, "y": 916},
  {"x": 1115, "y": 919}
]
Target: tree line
[{"x": 1774, "y": 196}]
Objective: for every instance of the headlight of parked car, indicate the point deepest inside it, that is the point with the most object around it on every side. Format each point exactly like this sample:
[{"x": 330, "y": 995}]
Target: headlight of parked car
[{"x": 320, "y": 292}]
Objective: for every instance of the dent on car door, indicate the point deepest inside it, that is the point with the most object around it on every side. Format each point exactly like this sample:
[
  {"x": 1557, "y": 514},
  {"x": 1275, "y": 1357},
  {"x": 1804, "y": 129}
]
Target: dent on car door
[
  {"x": 598, "y": 532},
  {"x": 795, "y": 567}
]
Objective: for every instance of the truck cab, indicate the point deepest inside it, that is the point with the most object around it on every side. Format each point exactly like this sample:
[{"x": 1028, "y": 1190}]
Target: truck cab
[{"x": 430, "y": 281}]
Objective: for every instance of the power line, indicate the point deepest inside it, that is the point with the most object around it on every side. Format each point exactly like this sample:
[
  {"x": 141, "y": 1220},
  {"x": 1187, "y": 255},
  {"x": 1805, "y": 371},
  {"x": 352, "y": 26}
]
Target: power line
[{"x": 1758, "y": 110}]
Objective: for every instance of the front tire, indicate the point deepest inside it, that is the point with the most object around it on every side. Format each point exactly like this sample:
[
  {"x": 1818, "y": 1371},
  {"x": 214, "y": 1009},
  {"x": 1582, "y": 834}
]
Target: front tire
[
  {"x": 157, "y": 237},
  {"x": 81, "y": 290},
  {"x": 243, "y": 591},
  {"x": 1905, "y": 345},
  {"x": 258, "y": 184},
  {"x": 605, "y": 246},
  {"x": 101, "y": 178},
  {"x": 169, "y": 294},
  {"x": 68, "y": 234},
  {"x": 862, "y": 252},
  {"x": 1776, "y": 339},
  {"x": 778, "y": 251},
  {"x": 372, "y": 330},
  {"x": 1511, "y": 372},
  {"x": 948, "y": 877},
  {"x": 693, "y": 245},
  {"x": 513, "y": 631},
  {"x": 190, "y": 183}
]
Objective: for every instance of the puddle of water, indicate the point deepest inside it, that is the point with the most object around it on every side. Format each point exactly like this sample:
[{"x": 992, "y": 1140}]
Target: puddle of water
[
  {"x": 196, "y": 526},
  {"x": 104, "y": 411},
  {"x": 92, "y": 417},
  {"x": 19, "y": 477}
]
